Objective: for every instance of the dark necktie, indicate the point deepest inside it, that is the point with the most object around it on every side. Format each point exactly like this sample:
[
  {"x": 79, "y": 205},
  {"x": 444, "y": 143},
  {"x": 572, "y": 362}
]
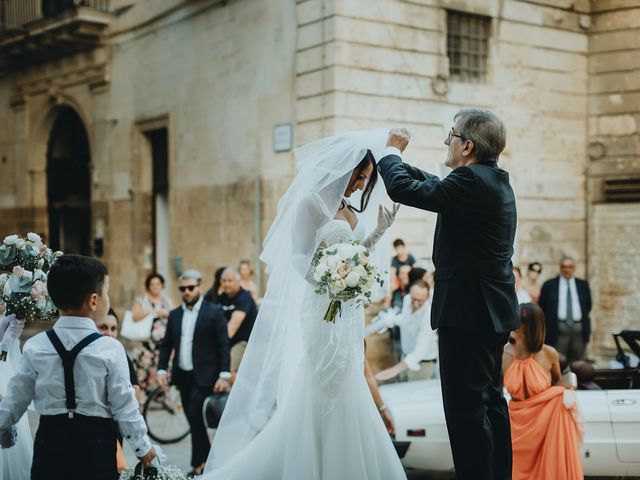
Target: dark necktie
[{"x": 569, "y": 305}]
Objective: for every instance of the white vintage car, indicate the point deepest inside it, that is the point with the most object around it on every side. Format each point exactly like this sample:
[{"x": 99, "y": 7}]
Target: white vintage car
[{"x": 611, "y": 421}]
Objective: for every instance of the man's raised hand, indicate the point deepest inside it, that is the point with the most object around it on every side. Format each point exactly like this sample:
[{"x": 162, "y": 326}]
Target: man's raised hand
[{"x": 399, "y": 138}]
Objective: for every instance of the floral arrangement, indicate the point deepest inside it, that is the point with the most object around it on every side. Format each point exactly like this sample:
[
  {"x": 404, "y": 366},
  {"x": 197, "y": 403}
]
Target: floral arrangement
[
  {"x": 153, "y": 473},
  {"x": 23, "y": 285},
  {"x": 345, "y": 271}
]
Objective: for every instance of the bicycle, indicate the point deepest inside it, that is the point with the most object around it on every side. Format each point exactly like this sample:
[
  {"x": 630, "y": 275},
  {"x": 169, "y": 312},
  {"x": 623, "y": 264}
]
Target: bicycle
[{"x": 164, "y": 415}]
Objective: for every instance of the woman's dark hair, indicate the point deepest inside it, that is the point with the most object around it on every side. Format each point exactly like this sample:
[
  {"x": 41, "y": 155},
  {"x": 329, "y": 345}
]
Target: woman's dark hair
[
  {"x": 73, "y": 278},
  {"x": 212, "y": 294},
  {"x": 151, "y": 276},
  {"x": 416, "y": 274},
  {"x": 368, "y": 159},
  {"x": 112, "y": 312},
  {"x": 535, "y": 264},
  {"x": 532, "y": 321}
]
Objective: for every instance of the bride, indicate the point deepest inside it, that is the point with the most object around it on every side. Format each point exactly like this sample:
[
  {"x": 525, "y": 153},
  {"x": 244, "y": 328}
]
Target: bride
[
  {"x": 300, "y": 408},
  {"x": 15, "y": 462}
]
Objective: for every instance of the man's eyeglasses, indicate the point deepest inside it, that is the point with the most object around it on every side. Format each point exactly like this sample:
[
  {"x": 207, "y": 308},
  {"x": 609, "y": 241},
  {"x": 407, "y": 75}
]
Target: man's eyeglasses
[
  {"x": 453, "y": 134},
  {"x": 188, "y": 287}
]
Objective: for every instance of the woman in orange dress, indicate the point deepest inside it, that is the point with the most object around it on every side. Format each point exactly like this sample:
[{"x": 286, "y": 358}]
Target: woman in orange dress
[{"x": 545, "y": 431}]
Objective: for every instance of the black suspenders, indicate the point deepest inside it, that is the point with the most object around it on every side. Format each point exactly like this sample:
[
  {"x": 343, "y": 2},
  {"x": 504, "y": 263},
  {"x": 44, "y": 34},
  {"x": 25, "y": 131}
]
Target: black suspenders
[{"x": 68, "y": 359}]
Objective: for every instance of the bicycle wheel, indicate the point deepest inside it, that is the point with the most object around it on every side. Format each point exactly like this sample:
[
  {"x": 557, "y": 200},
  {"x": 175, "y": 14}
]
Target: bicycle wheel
[{"x": 165, "y": 416}]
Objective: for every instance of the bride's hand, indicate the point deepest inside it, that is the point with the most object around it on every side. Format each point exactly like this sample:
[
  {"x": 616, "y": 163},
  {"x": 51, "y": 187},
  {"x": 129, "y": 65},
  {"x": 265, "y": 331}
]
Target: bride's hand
[{"x": 386, "y": 216}]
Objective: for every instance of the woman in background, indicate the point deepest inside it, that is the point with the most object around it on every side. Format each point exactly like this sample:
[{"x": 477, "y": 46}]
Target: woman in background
[
  {"x": 545, "y": 430},
  {"x": 154, "y": 301}
]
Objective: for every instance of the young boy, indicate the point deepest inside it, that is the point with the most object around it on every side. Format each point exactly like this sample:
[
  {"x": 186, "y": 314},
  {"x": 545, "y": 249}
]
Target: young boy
[{"x": 77, "y": 398}]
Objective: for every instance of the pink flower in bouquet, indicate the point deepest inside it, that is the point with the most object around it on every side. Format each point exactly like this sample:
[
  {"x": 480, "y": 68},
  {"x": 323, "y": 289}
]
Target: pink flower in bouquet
[
  {"x": 38, "y": 290},
  {"x": 18, "y": 271}
]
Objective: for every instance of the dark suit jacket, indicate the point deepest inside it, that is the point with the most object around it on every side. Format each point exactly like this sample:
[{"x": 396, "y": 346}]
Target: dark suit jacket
[
  {"x": 473, "y": 244},
  {"x": 549, "y": 304},
  {"x": 210, "y": 345}
]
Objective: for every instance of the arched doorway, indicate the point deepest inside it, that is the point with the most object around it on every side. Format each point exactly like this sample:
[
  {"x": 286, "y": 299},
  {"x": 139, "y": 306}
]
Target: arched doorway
[{"x": 69, "y": 184}]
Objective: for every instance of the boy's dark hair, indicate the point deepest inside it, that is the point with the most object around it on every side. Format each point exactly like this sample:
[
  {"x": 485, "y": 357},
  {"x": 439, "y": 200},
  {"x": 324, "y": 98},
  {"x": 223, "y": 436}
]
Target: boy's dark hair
[
  {"x": 398, "y": 243},
  {"x": 73, "y": 278}
]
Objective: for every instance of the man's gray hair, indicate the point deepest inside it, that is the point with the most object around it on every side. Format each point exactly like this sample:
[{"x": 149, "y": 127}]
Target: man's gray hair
[
  {"x": 191, "y": 275},
  {"x": 232, "y": 270},
  {"x": 485, "y": 130},
  {"x": 567, "y": 258}
]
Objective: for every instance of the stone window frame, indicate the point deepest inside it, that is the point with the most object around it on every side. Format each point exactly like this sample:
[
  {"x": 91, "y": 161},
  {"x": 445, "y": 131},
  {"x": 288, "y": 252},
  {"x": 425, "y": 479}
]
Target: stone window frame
[{"x": 468, "y": 37}]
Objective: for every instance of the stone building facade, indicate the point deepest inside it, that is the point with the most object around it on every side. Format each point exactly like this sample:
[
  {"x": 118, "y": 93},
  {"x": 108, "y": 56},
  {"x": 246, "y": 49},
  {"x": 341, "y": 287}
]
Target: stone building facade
[{"x": 162, "y": 118}]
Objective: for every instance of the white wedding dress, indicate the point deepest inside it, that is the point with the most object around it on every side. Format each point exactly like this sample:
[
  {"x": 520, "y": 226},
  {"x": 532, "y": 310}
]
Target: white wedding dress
[
  {"x": 328, "y": 427},
  {"x": 15, "y": 462}
]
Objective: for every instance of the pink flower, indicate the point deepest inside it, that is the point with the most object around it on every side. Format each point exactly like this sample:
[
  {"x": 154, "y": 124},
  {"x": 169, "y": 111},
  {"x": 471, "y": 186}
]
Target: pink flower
[
  {"x": 38, "y": 290},
  {"x": 18, "y": 271}
]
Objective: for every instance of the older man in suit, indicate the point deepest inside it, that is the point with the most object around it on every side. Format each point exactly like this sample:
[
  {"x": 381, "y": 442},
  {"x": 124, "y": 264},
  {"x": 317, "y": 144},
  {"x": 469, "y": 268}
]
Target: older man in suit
[
  {"x": 566, "y": 303},
  {"x": 197, "y": 333},
  {"x": 474, "y": 301}
]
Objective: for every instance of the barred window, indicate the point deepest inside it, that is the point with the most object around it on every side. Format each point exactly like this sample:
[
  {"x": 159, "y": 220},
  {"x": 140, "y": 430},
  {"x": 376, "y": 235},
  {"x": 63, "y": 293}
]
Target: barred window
[{"x": 467, "y": 46}]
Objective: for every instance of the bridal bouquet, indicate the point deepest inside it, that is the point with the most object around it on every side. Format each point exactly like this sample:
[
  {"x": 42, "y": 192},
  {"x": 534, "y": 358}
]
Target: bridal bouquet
[
  {"x": 23, "y": 285},
  {"x": 345, "y": 271}
]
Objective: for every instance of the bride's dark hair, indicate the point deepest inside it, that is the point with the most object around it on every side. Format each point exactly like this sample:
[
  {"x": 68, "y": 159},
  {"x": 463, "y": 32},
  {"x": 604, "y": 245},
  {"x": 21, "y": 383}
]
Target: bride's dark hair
[{"x": 373, "y": 179}]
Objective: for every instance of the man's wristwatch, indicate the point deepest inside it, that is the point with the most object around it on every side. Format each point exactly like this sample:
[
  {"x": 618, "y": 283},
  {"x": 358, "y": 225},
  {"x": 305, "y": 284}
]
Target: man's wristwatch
[{"x": 226, "y": 376}]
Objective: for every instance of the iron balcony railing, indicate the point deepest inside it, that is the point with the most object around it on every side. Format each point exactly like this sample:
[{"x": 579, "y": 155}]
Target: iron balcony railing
[{"x": 17, "y": 15}]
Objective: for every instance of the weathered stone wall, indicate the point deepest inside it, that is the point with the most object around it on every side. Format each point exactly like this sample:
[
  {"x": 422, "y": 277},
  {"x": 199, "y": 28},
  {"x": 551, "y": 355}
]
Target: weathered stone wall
[
  {"x": 614, "y": 148},
  {"x": 614, "y": 271}
]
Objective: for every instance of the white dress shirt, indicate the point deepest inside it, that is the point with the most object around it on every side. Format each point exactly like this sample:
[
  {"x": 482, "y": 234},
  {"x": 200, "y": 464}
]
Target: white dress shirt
[
  {"x": 419, "y": 341},
  {"x": 101, "y": 375},
  {"x": 562, "y": 299},
  {"x": 391, "y": 151},
  {"x": 189, "y": 317}
]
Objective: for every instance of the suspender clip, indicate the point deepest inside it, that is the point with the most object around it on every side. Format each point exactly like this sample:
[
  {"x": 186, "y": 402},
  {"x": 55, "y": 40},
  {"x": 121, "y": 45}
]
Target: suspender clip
[{"x": 70, "y": 413}]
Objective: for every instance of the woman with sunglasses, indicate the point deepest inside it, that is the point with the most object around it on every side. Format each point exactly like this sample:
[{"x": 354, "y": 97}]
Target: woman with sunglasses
[
  {"x": 154, "y": 301},
  {"x": 531, "y": 282}
]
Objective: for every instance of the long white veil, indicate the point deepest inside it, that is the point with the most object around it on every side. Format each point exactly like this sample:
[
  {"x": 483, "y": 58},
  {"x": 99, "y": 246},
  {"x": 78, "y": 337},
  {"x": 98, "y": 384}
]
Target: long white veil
[{"x": 274, "y": 350}]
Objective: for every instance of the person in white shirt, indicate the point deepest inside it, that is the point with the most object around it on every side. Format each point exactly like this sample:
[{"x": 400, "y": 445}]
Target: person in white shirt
[
  {"x": 77, "y": 398},
  {"x": 419, "y": 341}
]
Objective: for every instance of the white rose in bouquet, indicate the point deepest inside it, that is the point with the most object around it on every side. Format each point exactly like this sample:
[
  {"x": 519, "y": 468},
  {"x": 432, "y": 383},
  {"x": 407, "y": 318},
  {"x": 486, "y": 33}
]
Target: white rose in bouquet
[
  {"x": 352, "y": 279},
  {"x": 363, "y": 259},
  {"x": 11, "y": 240},
  {"x": 331, "y": 261},
  {"x": 347, "y": 251},
  {"x": 35, "y": 238},
  {"x": 361, "y": 270}
]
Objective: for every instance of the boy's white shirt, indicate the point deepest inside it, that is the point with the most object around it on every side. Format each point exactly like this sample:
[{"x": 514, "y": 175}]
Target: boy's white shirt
[{"x": 102, "y": 383}]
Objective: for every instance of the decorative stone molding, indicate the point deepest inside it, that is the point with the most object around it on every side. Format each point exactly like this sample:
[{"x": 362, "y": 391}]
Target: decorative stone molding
[
  {"x": 596, "y": 150},
  {"x": 440, "y": 85}
]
